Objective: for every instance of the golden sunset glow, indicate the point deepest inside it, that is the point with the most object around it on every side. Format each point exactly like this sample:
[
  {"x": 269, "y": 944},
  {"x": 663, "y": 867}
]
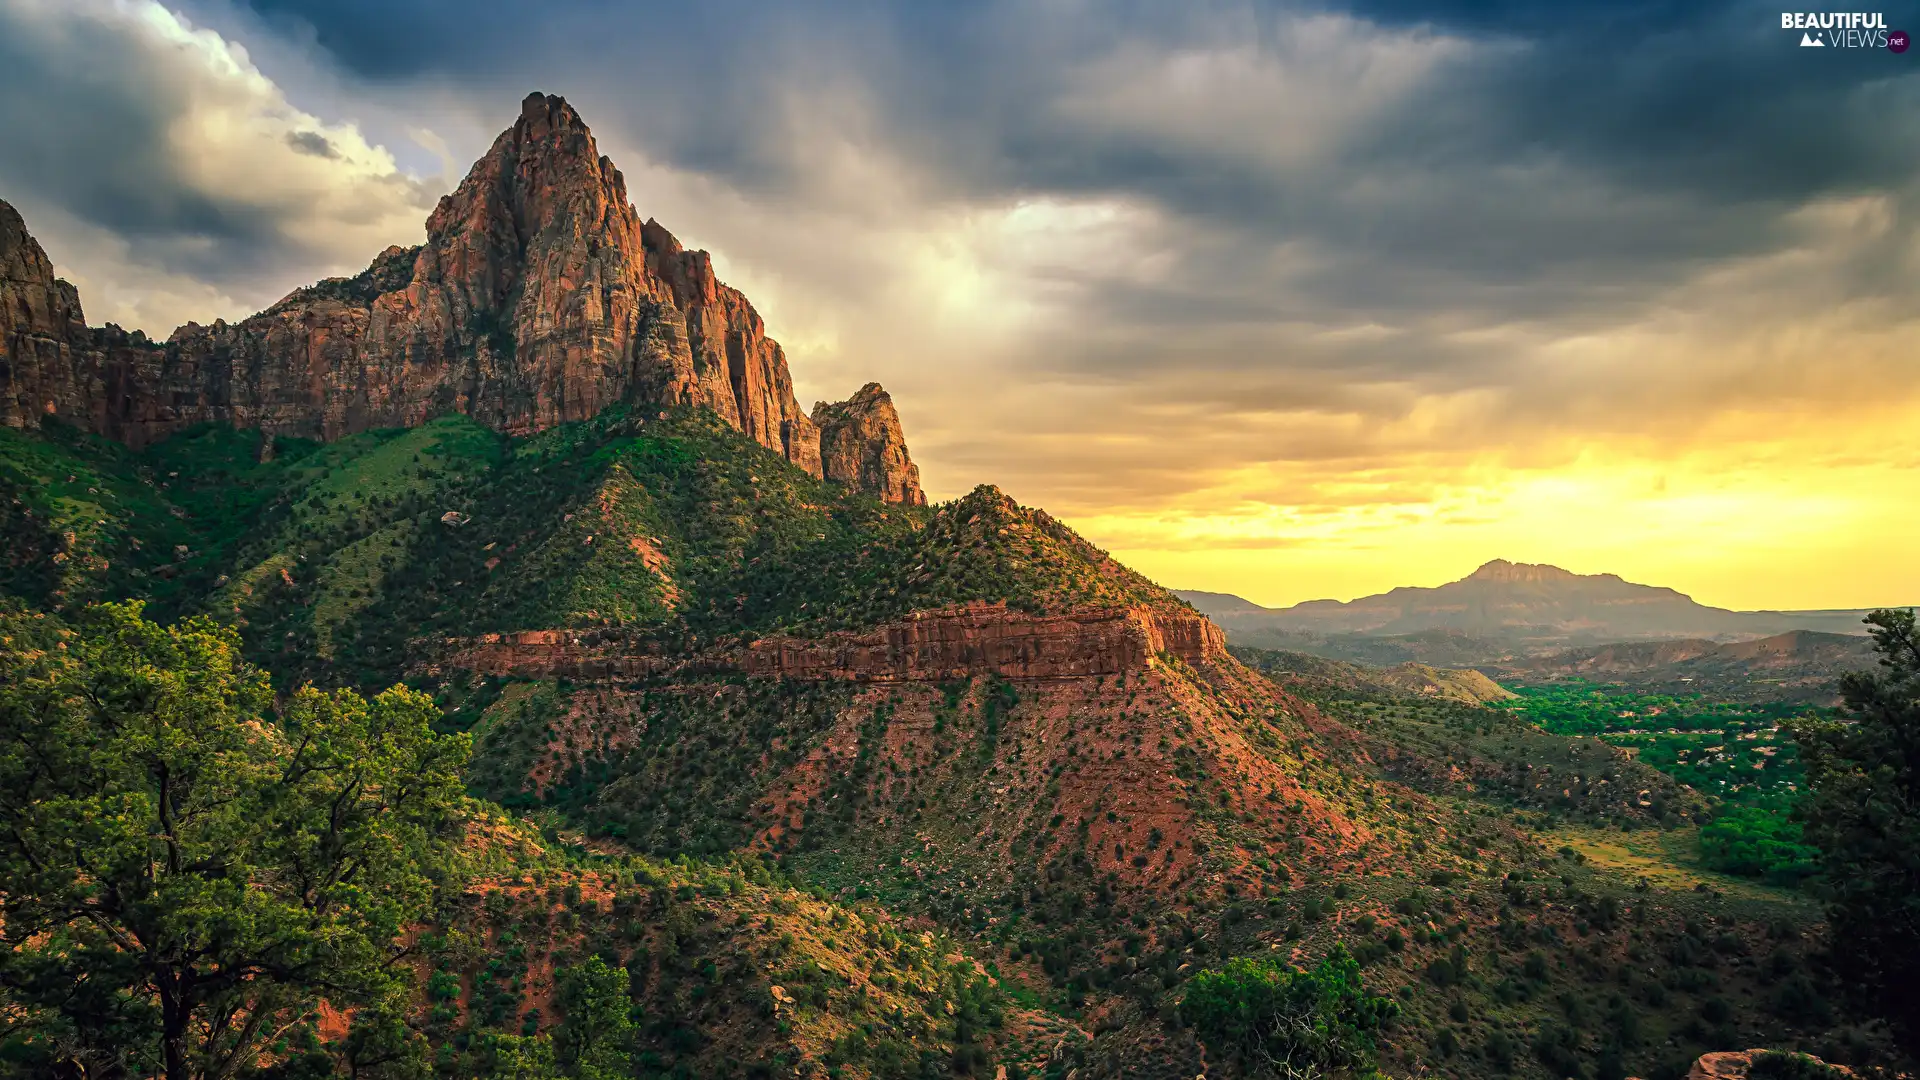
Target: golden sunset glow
[{"x": 1792, "y": 538}]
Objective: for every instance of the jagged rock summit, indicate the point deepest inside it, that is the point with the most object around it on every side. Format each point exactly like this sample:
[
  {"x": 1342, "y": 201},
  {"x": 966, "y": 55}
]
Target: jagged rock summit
[
  {"x": 539, "y": 297},
  {"x": 861, "y": 444}
]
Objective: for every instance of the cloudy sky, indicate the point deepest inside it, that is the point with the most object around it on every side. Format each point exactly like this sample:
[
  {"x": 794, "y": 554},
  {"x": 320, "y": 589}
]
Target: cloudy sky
[{"x": 1286, "y": 300}]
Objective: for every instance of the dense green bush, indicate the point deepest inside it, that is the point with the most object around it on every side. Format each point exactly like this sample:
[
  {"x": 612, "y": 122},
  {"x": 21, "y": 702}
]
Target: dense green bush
[
  {"x": 1281, "y": 1021},
  {"x": 1558, "y": 1048},
  {"x": 1774, "y": 1065},
  {"x": 1759, "y": 842},
  {"x": 263, "y": 853}
]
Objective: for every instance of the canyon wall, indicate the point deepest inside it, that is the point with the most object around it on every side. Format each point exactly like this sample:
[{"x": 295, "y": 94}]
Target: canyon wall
[{"x": 946, "y": 643}]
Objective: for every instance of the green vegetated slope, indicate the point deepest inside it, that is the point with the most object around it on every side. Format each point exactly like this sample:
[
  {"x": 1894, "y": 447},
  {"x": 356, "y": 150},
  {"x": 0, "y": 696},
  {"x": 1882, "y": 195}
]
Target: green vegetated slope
[
  {"x": 1636, "y": 906},
  {"x": 1719, "y": 776},
  {"x": 1717, "y": 784},
  {"x": 84, "y": 519},
  {"x": 1310, "y": 673},
  {"x": 1096, "y": 842},
  {"x": 338, "y": 556},
  {"x": 1508, "y": 949},
  {"x": 713, "y": 968},
  {"x": 1736, "y": 750}
]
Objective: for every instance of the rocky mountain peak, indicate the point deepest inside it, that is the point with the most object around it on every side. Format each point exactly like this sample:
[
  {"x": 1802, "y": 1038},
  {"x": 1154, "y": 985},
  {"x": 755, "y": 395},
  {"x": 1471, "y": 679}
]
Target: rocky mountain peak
[
  {"x": 1500, "y": 570},
  {"x": 539, "y": 297},
  {"x": 34, "y": 301},
  {"x": 862, "y": 444},
  {"x": 542, "y": 184},
  {"x": 21, "y": 257}
]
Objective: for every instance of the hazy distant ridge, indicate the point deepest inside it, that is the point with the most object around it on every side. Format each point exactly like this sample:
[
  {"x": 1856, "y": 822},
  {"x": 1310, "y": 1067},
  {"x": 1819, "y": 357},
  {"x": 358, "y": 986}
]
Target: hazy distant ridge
[{"x": 1536, "y": 602}]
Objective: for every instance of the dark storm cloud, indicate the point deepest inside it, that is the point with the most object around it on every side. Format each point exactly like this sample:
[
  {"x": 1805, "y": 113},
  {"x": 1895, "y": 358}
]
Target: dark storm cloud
[
  {"x": 1577, "y": 150},
  {"x": 162, "y": 169},
  {"x": 312, "y": 142},
  {"x": 100, "y": 146}
]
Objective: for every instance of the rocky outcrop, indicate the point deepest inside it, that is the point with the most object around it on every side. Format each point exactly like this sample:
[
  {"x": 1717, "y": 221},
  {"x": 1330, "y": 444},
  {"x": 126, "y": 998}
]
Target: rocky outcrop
[
  {"x": 540, "y": 296},
  {"x": 989, "y": 639},
  {"x": 862, "y": 445},
  {"x": 51, "y": 363},
  {"x": 947, "y": 643},
  {"x": 1738, "y": 1064},
  {"x": 39, "y": 317}
]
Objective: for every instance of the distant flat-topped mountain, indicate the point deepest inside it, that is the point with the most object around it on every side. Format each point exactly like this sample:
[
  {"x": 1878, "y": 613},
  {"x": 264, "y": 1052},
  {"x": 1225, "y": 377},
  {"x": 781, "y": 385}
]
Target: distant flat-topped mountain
[{"x": 1523, "y": 603}]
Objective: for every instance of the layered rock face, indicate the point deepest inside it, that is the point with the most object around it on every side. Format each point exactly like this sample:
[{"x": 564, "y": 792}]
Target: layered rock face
[
  {"x": 949, "y": 643},
  {"x": 539, "y": 297},
  {"x": 51, "y": 363},
  {"x": 39, "y": 318},
  {"x": 861, "y": 444}
]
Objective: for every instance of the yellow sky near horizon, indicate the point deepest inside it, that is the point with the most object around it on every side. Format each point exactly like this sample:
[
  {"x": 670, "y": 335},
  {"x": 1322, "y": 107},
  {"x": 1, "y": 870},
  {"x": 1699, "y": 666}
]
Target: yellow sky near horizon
[
  {"x": 1752, "y": 439},
  {"x": 1828, "y": 538},
  {"x": 1824, "y": 517}
]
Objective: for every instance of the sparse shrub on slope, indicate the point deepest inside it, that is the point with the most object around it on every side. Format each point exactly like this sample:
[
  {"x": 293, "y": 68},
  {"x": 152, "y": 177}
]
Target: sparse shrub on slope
[{"x": 1775, "y": 1065}]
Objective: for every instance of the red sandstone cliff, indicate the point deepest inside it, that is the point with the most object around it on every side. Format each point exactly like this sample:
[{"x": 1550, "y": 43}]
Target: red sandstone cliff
[
  {"x": 539, "y": 297},
  {"x": 51, "y": 363},
  {"x": 947, "y": 643},
  {"x": 861, "y": 444}
]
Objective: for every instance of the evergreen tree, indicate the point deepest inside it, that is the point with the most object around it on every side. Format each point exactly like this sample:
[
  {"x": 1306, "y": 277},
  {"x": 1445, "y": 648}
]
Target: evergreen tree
[
  {"x": 1862, "y": 812},
  {"x": 1280, "y": 1021},
  {"x": 594, "y": 1041},
  {"x": 185, "y": 872}
]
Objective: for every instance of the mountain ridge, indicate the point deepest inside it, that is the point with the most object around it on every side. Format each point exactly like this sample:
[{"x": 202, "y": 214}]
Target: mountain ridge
[
  {"x": 539, "y": 297},
  {"x": 1795, "y": 665},
  {"x": 1538, "y": 603}
]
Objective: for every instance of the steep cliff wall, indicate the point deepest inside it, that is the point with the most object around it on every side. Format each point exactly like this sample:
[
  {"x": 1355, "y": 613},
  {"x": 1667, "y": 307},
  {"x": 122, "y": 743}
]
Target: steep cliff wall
[
  {"x": 51, "y": 363},
  {"x": 948, "y": 643}
]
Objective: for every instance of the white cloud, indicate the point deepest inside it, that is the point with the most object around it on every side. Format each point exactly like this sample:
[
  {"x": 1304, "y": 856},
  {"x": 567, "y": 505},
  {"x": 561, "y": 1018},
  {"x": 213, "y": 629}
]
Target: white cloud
[
  {"x": 1286, "y": 97},
  {"x": 173, "y": 176}
]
